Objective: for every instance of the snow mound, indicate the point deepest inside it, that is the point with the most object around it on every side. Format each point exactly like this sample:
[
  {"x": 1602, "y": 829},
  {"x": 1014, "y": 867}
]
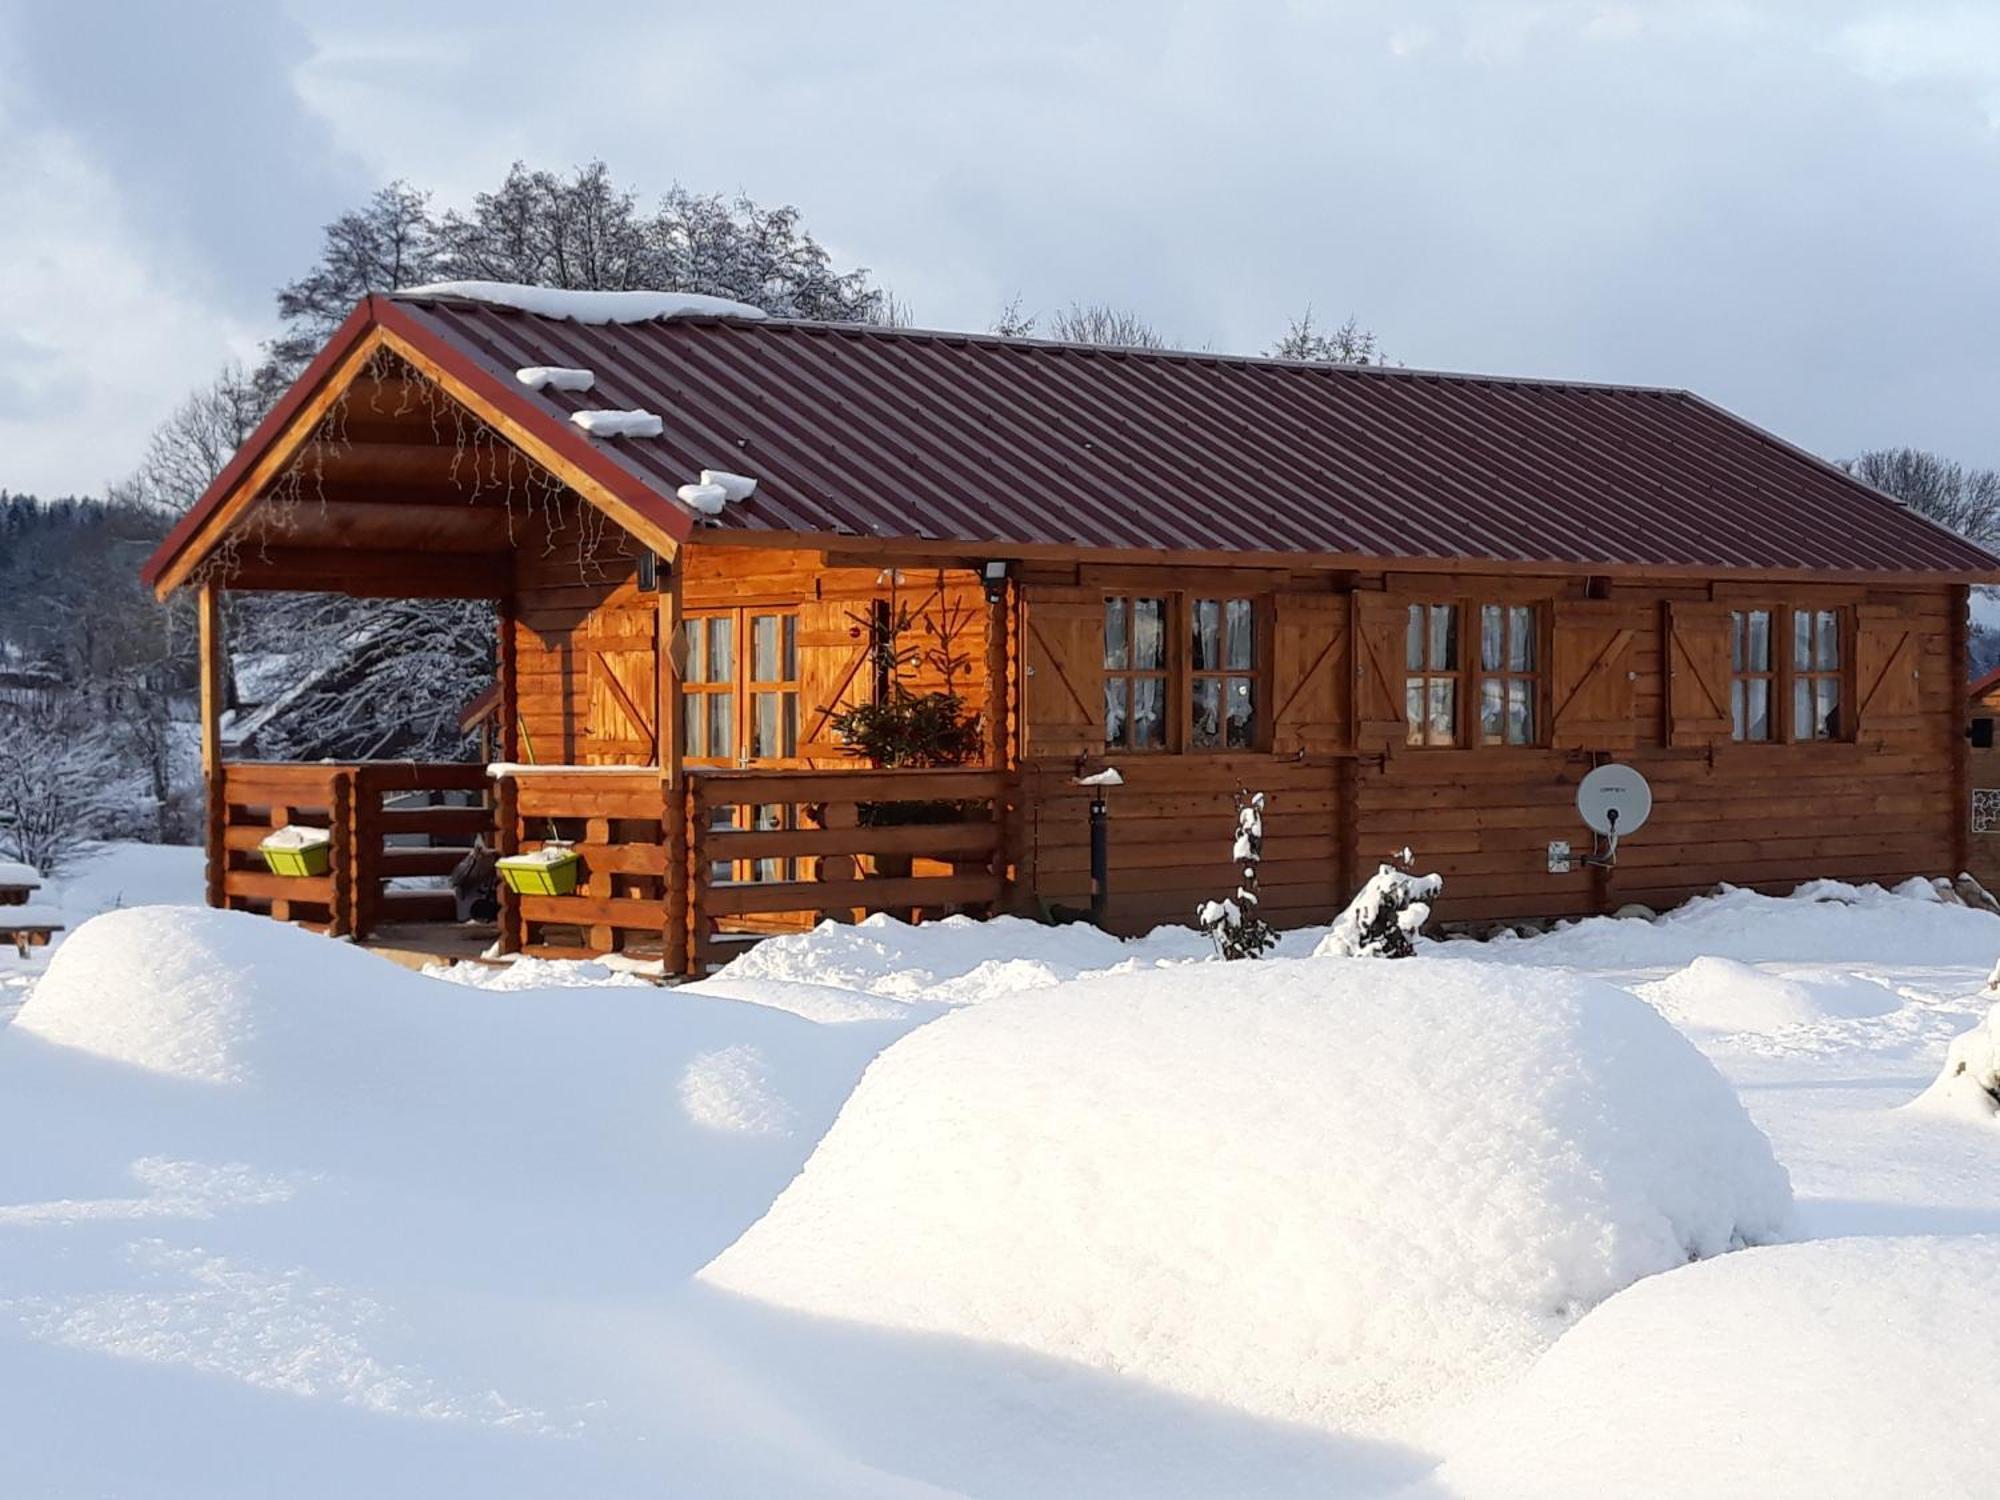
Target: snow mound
[
  {"x": 1721, "y": 994},
  {"x": 730, "y": 1089},
  {"x": 588, "y": 307},
  {"x": 1825, "y": 922},
  {"x": 173, "y": 990},
  {"x": 816, "y": 1002},
  {"x": 1320, "y": 1191},
  {"x": 956, "y": 961},
  {"x": 1969, "y": 1083},
  {"x": 523, "y": 972},
  {"x": 1838, "y": 1368}
]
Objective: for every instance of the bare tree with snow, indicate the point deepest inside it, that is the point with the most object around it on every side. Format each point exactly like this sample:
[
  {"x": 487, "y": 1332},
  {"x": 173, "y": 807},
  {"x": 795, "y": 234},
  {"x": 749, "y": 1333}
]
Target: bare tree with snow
[
  {"x": 1234, "y": 924},
  {"x": 1100, "y": 323}
]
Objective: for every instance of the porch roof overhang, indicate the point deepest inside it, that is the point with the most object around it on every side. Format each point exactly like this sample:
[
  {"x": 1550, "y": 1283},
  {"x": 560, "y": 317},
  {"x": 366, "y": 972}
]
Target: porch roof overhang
[{"x": 379, "y": 323}]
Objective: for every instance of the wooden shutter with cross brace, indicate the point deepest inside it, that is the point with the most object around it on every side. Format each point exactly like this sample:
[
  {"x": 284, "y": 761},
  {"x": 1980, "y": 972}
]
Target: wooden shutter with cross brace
[
  {"x": 1698, "y": 674},
  {"x": 1062, "y": 683},
  {"x": 1592, "y": 679},
  {"x": 834, "y": 673},
  {"x": 1381, "y": 627},
  {"x": 1309, "y": 673},
  {"x": 1887, "y": 651}
]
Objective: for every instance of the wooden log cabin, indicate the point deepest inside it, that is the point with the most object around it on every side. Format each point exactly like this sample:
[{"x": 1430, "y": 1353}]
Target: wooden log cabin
[{"x": 1413, "y": 609}]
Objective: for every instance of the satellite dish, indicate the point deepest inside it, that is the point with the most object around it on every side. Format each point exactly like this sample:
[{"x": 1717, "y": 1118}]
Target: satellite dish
[{"x": 1614, "y": 800}]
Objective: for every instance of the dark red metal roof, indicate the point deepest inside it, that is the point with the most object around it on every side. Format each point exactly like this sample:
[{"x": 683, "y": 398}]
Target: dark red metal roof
[{"x": 1020, "y": 444}]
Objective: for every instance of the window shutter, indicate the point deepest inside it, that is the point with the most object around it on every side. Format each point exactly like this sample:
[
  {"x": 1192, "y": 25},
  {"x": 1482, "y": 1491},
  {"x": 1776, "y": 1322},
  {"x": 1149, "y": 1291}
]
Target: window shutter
[
  {"x": 1381, "y": 626},
  {"x": 619, "y": 709},
  {"x": 833, "y": 672},
  {"x": 1062, "y": 682},
  {"x": 1697, "y": 674},
  {"x": 1308, "y": 673},
  {"x": 1592, "y": 683},
  {"x": 1886, "y": 656}
]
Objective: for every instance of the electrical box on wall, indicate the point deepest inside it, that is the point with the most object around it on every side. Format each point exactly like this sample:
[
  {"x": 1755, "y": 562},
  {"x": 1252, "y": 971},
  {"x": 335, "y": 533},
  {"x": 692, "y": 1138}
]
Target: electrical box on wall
[{"x": 1558, "y": 856}]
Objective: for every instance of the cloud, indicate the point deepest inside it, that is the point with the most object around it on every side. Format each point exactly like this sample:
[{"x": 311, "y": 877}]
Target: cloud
[{"x": 1779, "y": 204}]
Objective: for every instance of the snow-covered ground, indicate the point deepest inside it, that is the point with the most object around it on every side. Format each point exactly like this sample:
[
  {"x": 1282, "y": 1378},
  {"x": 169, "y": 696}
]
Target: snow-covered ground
[{"x": 997, "y": 1209}]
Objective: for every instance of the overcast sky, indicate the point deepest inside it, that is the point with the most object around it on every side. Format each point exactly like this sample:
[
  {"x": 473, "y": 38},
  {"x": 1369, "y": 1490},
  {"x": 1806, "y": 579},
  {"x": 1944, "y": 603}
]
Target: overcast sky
[{"x": 1790, "y": 207}]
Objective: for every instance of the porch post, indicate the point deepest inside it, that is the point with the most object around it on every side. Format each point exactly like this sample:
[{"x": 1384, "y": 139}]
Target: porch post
[
  {"x": 503, "y": 797},
  {"x": 678, "y": 949},
  {"x": 215, "y": 806},
  {"x": 1001, "y": 603}
]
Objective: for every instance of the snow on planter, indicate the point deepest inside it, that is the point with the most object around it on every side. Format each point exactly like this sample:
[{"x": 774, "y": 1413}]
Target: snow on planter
[
  {"x": 555, "y": 378},
  {"x": 1327, "y": 1192},
  {"x": 588, "y": 307},
  {"x": 611, "y": 424},
  {"x": 1840, "y": 1368},
  {"x": 1968, "y": 1085},
  {"x": 297, "y": 850}
]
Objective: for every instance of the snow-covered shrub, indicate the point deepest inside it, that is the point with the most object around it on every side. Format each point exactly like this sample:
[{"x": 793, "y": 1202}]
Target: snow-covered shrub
[
  {"x": 1244, "y": 1194},
  {"x": 1969, "y": 1083},
  {"x": 1385, "y": 918},
  {"x": 1235, "y": 925}
]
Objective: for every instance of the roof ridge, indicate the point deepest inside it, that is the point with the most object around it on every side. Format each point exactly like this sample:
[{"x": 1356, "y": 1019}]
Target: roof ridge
[{"x": 986, "y": 338}]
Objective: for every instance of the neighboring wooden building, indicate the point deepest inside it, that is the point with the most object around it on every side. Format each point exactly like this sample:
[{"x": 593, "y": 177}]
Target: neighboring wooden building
[{"x": 1413, "y": 609}]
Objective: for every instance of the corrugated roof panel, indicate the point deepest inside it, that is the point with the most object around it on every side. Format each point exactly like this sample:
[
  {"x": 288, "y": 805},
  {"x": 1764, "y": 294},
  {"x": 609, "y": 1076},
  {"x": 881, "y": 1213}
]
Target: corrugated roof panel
[{"x": 922, "y": 436}]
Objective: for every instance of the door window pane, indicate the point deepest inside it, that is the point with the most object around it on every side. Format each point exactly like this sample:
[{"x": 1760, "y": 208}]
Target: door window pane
[
  {"x": 1521, "y": 638},
  {"x": 1413, "y": 640},
  {"x": 1117, "y": 654},
  {"x": 1757, "y": 708},
  {"x": 692, "y": 740},
  {"x": 773, "y": 653},
  {"x": 697, "y": 640},
  {"x": 1413, "y": 708},
  {"x": 1207, "y": 634},
  {"x": 774, "y": 726},
  {"x": 1241, "y": 711},
  {"x": 1829, "y": 638},
  {"x": 1444, "y": 637},
  {"x": 721, "y": 650},
  {"x": 1114, "y": 710},
  {"x": 1149, "y": 713},
  {"x": 1828, "y": 709},
  {"x": 1149, "y": 634},
  {"x": 1492, "y": 633},
  {"x": 1207, "y": 712},
  {"x": 1241, "y": 619},
  {"x": 721, "y": 725}
]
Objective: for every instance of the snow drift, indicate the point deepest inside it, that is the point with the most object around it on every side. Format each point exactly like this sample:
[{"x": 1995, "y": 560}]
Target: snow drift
[
  {"x": 1723, "y": 994},
  {"x": 1331, "y": 1192},
  {"x": 1839, "y": 1368}
]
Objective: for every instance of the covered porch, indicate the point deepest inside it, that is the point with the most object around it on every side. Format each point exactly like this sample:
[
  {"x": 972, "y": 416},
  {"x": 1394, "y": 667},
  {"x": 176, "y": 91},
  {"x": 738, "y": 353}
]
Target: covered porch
[{"x": 665, "y": 701}]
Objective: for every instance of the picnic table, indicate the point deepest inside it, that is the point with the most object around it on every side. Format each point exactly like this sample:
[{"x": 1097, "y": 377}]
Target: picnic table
[
  {"x": 21, "y": 924},
  {"x": 17, "y": 881}
]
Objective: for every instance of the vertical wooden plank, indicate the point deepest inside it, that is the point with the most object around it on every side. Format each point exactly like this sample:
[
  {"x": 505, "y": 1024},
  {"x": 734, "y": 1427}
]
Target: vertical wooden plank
[
  {"x": 364, "y": 847},
  {"x": 602, "y": 937},
  {"x": 208, "y": 611},
  {"x": 697, "y": 881},
  {"x": 507, "y": 840},
  {"x": 670, "y": 657},
  {"x": 341, "y": 865},
  {"x": 507, "y": 671},
  {"x": 1956, "y": 678},
  {"x": 281, "y": 909}
]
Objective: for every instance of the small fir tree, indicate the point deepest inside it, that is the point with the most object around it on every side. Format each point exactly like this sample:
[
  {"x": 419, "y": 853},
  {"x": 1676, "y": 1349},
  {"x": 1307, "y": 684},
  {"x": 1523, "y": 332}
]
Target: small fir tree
[
  {"x": 1383, "y": 920},
  {"x": 1234, "y": 925}
]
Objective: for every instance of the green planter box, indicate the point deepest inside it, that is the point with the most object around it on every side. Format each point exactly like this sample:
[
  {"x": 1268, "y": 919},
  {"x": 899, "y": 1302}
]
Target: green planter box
[
  {"x": 538, "y": 875},
  {"x": 297, "y": 860}
]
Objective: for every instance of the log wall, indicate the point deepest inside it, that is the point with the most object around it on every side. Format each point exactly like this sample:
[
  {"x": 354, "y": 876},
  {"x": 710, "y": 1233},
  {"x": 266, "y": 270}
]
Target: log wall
[{"x": 1884, "y": 804}]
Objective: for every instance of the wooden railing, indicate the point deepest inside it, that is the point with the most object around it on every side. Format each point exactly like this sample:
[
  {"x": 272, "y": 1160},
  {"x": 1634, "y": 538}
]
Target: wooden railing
[
  {"x": 765, "y": 846},
  {"x": 686, "y": 873},
  {"x": 387, "y": 822},
  {"x": 619, "y": 822},
  {"x": 413, "y": 821},
  {"x": 257, "y": 797}
]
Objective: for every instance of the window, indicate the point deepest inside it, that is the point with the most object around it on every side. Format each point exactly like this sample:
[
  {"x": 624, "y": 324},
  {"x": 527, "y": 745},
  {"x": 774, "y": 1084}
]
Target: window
[
  {"x": 1431, "y": 689},
  {"x": 1776, "y": 694},
  {"x": 740, "y": 698},
  {"x": 1816, "y": 674},
  {"x": 708, "y": 693},
  {"x": 1159, "y": 698},
  {"x": 1135, "y": 673},
  {"x": 1223, "y": 674},
  {"x": 1509, "y": 674}
]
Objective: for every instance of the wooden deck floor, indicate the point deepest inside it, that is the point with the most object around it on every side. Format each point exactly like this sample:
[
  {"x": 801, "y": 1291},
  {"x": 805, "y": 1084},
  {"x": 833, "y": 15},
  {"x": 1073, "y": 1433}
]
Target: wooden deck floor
[{"x": 415, "y": 944}]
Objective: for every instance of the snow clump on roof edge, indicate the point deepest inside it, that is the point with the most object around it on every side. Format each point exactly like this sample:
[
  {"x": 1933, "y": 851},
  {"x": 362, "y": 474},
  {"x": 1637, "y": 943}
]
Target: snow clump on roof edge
[{"x": 588, "y": 307}]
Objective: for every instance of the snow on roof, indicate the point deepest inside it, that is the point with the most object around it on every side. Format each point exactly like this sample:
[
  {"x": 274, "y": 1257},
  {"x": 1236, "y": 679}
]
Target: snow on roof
[
  {"x": 611, "y": 424},
  {"x": 557, "y": 377},
  {"x": 587, "y": 307},
  {"x": 14, "y": 873}
]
